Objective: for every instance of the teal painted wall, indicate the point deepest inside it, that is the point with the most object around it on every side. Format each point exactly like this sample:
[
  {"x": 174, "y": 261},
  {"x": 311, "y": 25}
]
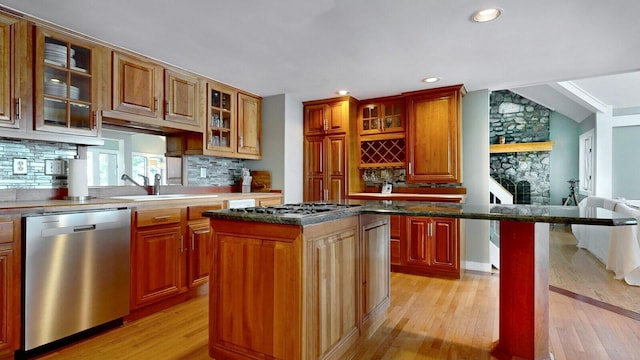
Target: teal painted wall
[
  {"x": 564, "y": 156},
  {"x": 626, "y": 161}
]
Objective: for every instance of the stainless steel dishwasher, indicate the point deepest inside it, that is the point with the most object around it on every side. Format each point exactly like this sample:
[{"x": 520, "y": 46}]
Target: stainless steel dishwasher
[{"x": 76, "y": 273}]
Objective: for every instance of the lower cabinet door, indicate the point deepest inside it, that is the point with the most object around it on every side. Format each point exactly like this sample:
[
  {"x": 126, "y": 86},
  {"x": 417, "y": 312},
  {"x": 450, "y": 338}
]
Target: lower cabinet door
[
  {"x": 156, "y": 264},
  {"x": 199, "y": 247}
]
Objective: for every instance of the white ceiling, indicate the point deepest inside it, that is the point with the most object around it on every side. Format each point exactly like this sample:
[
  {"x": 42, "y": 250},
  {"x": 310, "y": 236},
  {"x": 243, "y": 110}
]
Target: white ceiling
[{"x": 311, "y": 48}]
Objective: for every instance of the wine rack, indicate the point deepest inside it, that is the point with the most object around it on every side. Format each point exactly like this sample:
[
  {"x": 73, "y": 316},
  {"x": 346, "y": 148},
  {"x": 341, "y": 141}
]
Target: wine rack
[{"x": 382, "y": 153}]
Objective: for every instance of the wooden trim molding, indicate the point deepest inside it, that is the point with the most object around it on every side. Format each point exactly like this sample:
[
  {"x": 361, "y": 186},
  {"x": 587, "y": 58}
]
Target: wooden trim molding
[{"x": 521, "y": 147}]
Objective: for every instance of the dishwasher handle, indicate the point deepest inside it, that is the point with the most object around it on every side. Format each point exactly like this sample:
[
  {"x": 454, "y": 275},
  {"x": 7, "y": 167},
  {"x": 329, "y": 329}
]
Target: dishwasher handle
[{"x": 84, "y": 228}]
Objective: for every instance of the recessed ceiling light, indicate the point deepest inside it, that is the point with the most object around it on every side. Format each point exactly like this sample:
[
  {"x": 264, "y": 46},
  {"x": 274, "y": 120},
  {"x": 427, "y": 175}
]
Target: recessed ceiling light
[
  {"x": 486, "y": 15},
  {"x": 431, "y": 79},
  {"x": 343, "y": 92}
]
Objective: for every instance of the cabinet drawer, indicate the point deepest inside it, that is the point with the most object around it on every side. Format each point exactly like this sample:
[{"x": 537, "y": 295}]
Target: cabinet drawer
[
  {"x": 6, "y": 231},
  {"x": 157, "y": 217},
  {"x": 195, "y": 212}
]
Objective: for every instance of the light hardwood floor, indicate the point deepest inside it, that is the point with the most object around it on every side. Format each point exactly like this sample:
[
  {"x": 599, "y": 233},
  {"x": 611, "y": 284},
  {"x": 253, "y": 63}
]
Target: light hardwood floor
[{"x": 429, "y": 318}]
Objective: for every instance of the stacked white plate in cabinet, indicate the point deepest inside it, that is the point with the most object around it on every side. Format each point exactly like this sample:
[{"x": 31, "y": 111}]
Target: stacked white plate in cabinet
[
  {"x": 58, "y": 54},
  {"x": 60, "y": 89}
]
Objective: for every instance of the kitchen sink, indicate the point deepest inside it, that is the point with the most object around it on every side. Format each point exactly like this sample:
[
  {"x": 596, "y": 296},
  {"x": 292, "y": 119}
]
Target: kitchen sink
[{"x": 162, "y": 197}]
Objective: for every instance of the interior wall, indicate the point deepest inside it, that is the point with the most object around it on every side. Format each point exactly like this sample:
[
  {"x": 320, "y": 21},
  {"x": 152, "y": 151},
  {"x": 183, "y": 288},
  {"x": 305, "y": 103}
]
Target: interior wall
[
  {"x": 475, "y": 152},
  {"x": 626, "y": 153},
  {"x": 563, "y": 157},
  {"x": 282, "y": 145}
]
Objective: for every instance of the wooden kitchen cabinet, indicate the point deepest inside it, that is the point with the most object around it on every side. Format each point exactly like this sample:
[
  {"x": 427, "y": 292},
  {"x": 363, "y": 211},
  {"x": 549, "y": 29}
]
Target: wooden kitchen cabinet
[
  {"x": 182, "y": 98},
  {"x": 221, "y": 119},
  {"x": 327, "y": 116},
  {"x": 14, "y": 73},
  {"x": 249, "y": 126},
  {"x": 374, "y": 249},
  {"x": 199, "y": 247},
  {"x": 397, "y": 230},
  {"x": 325, "y": 168},
  {"x": 67, "y": 84},
  {"x": 431, "y": 247},
  {"x": 271, "y": 201},
  {"x": 327, "y": 148},
  {"x": 158, "y": 242},
  {"x": 433, "y": 135},
  {"x": 380, "y": 116},
  {"x": 137, "y": 86},
  {"x": 145, "y": 92},
  {"x": 10, "y": 288}
]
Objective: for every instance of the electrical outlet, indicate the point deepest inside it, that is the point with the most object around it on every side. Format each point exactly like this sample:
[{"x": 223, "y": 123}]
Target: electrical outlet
[
  {"x": 19, "y": 166},
  {"x": 54, "y": 167},
  {"x": 203, "y": 172}
]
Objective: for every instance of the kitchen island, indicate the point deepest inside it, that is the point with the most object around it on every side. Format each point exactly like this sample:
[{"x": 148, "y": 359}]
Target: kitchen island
[{"x": 309, "y": 286}]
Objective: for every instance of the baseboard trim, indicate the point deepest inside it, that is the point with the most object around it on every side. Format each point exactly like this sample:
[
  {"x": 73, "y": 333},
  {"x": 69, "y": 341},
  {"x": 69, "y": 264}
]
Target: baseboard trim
[{"x": 477, "y": 266}]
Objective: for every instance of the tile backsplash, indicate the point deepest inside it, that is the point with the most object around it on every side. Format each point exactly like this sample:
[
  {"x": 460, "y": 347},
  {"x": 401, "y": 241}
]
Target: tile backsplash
[
  {"x": 219, "y": 171},
  {"x": 35, "y": 153}
]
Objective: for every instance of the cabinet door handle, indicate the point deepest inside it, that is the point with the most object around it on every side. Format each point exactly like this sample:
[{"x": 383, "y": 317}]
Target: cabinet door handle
[
  {"x": 161, "y": 218},
  {"x": 193, "y": 241},
  {"x": 181, "y": 243},
  {"x": 410, "y": 168},
  {"x": 19, "y": 108},
  {"x": 430, "y": 229},
  {"x": 241, "y": 141},
  {"x": 326, "y": 195},
  {"x": 95, "y": 120},
  {"x": 325, "y": 124},
  {"x": 167, "y": 108},
  {"x": 155, "y": 103}
]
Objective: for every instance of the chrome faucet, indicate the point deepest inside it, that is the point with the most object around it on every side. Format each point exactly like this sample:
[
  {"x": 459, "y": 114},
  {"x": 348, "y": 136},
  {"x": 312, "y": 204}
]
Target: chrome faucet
[
  {"x": 127, "y": 177},
  {"x": 156, "y": 184}
]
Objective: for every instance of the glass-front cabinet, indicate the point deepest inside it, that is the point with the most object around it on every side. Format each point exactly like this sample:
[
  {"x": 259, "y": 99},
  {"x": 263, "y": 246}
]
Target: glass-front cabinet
[
  {"x": 221, "y": 117},
  {"x": 66, "y": 75},
  {"x": 377, "y": 117}
]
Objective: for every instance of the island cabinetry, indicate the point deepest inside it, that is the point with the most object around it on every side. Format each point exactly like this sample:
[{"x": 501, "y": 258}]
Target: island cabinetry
[
  {"x": 158, "y": 242},
  {"x": 374, "y": 251},
  {"x": 145, "y": 92},
  {"x": 397, "y": 235},
  {"x": 67, "y": 84},
  {"x": 432, "y": 246},
  {"x": 10, "y": 238},
  {"x": 433, "y": 135},
  {"x": 296, "y": 292},
  {"x": 327, "y": 149}
]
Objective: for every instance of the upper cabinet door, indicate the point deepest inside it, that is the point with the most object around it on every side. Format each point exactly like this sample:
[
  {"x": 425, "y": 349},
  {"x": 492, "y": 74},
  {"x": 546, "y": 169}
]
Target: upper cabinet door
[
  {"x": 315, "y": 119},
  {"x": 433, "y": 136},
  {"x": 221, "y": 118},
  {"x": 8, "y": 115},
  {"x": 66, "y": 84},
  {"x": 181, "y": 98},
  {"x": 382, "y": 116},
  {"x": 137, "y": 86},
  {"x": 249, "y": 125}
]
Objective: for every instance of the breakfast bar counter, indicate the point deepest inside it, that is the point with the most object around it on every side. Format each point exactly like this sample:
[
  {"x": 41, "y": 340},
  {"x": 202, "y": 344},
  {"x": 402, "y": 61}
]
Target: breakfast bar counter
[{"x": 344, "y": 248}]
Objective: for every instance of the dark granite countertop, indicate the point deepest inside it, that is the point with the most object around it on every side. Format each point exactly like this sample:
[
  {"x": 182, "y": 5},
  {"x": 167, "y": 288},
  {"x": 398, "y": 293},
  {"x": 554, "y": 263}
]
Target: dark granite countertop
[{"x": 525, "y": 213}]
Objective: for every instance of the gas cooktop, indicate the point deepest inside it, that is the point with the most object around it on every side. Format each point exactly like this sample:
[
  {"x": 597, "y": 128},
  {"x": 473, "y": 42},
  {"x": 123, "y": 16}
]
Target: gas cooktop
[{"x": 300, "y": 209}]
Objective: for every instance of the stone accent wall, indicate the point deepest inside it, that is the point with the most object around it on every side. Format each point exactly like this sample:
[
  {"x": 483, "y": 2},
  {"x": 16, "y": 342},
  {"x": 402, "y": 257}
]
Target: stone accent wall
[
  {"x": 36, "y": 152},
  {"x": 520, "y": 120},
  {"x": 220, "y": 171}
]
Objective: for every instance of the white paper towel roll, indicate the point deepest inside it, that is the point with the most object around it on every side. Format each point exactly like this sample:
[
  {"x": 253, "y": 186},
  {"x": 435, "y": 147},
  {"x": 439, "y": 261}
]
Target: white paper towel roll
[{"x": 77, "y": 178}]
